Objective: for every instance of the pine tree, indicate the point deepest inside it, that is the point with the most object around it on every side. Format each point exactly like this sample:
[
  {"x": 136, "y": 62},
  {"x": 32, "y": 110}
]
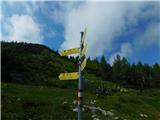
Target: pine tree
[{"x": 156, "y": 75}]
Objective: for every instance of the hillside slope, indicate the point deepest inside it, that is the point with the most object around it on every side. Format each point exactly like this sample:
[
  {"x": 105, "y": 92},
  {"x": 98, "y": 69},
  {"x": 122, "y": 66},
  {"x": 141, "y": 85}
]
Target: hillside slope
[
  {"x": 35, "y": 64},
  {"x": 45, "y": 97},
  {"x": 32, "y": 63}
]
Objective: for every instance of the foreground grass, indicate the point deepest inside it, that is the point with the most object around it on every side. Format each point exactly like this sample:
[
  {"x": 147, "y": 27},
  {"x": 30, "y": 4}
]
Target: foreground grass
[{"x": 21, "y": 102}]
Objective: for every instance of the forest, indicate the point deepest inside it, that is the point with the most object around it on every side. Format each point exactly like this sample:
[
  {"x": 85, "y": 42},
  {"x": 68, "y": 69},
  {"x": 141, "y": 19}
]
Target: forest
[{"x": 35, "y": 63}]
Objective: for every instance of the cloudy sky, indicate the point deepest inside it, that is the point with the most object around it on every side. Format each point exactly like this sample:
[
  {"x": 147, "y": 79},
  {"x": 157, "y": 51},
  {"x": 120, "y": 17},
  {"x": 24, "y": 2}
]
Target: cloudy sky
[{"x": 130, "y": 29}]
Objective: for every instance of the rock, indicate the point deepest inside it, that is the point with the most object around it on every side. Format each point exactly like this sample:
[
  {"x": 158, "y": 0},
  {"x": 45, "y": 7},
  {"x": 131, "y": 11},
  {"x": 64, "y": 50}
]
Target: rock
[
  {"x": 18, "y": 99},
  {"x": 109, "y": 113},
  {"x": 96, "y": 119},
  {"x": 143, "y": 115},
  {"x": 94, "y": 109},
  {"x": 94, "y": 115},
  {"x": 65, "y": 102},
  {"x": 74, "y": 101},
  {"x": 91, "y": 108},
  {"x": 92, "y": 102},
  {"x": 41, "y": 87},
  {"x": 123, "y": 90},
  {"x": 116, "y": 118},
  {"x": 75, "y": 110},
  {"x": 103, "y": 112}
]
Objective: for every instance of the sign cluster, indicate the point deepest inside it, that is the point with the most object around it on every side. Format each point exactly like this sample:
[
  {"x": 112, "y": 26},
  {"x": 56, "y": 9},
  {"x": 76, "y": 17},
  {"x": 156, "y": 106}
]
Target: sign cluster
[
  {"x": 81, "y": 51},
  {"x": 77, "y": 75}
]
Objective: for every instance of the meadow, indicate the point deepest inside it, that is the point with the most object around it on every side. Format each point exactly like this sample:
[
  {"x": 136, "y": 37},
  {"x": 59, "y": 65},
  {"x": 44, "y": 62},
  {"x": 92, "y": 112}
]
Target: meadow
[{"x": 29, "y": 102}]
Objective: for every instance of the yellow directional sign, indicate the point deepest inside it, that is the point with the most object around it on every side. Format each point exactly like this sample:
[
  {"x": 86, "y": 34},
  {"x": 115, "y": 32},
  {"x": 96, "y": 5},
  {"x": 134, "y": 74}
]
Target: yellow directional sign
[
  {"x": 84, "y": 35},
  {"x": 81, "y": 50},
  {"x": 69, "y": 51},
  {"x": 69, "y": 76},
  {"x": 83, "y": 65},
  {"x": 84, "y": 49}
]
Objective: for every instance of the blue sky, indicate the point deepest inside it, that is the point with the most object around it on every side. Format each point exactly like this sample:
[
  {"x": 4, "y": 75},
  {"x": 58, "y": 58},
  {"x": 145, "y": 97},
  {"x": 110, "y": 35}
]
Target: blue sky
[{"x": 130, "y": 29}]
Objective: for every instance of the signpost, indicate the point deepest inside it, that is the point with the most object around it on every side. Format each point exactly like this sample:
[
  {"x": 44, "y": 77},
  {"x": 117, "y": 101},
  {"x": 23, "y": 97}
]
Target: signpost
[{"x": 77, "y": 75}]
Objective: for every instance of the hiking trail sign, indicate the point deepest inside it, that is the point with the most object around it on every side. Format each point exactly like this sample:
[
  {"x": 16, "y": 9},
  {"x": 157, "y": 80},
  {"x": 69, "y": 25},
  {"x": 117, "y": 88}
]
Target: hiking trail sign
[
  {"x": 69, "y": 51},
  {"x": 71, "y": 76},
  {"x": 77, "y": 75}
]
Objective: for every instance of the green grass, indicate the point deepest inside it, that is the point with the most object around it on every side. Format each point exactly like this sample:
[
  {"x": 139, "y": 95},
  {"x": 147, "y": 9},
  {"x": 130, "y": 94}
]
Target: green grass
[
  {"x": 24, "y": 102},
  {"x": 91, "y": 83}
]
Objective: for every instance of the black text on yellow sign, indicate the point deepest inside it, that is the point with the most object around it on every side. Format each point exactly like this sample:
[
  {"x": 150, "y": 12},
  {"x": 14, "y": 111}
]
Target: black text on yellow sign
[
  {"x": 69, "y": 51},
  {"x": 69, "y": 76},
  {"x": 75, "y": 75}
]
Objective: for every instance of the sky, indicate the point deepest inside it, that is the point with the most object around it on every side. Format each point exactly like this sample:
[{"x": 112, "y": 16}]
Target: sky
[{"x": 129, "y": 29}]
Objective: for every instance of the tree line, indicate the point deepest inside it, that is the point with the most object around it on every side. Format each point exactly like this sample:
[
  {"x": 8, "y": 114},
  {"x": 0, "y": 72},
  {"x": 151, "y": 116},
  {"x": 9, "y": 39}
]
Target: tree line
[
  {"x": 34, "y": 63},
  {"x": 123, "y": 73}
]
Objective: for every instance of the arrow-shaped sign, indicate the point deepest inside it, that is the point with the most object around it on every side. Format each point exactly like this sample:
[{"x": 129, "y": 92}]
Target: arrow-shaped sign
[
  {"x": 83, "y": 65},
  {"x": 84, "y": 35},
  {"x": 69, "y": 51},
  {"x": 84, "y": 49},
  {"x": 69, "y": 76}
]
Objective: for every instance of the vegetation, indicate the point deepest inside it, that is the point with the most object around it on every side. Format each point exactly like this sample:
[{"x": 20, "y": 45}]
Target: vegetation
[
  {"x": 24, "y": 102},
  {"x": 37, "y": 64},
  {"x": 31, "y": 89},
  {"x": 139, "y": 76},
  {"x": 31, "y": 63}
]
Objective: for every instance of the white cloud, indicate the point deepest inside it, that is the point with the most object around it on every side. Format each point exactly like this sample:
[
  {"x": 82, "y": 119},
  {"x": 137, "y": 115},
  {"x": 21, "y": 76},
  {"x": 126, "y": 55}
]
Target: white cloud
[
  {"x": 150, "y": 36},
  {"x": 19, "y": 7},
  {"x": 21, "y": 24},
  {"x": 22, "y": 28},
  {"x": 99, "y": 22},
  {"x": 125, "y": 51},
  {"x": 104, "y": 20}
]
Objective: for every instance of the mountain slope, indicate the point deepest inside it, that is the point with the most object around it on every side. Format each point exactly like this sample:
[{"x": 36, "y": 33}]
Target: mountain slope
[
  {"x": 36, "y": 64},
  {"x": 31, "y": 63},
  {"x": 46, "y": 97}
]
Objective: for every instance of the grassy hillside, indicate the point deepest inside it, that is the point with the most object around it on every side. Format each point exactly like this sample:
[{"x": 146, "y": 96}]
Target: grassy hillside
[
  {"x": 31, "y": 90},
  {"x": 35, "y": 64},
  {"x": 22, "y": 102},
  {"x": 32, "y": 63}
]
